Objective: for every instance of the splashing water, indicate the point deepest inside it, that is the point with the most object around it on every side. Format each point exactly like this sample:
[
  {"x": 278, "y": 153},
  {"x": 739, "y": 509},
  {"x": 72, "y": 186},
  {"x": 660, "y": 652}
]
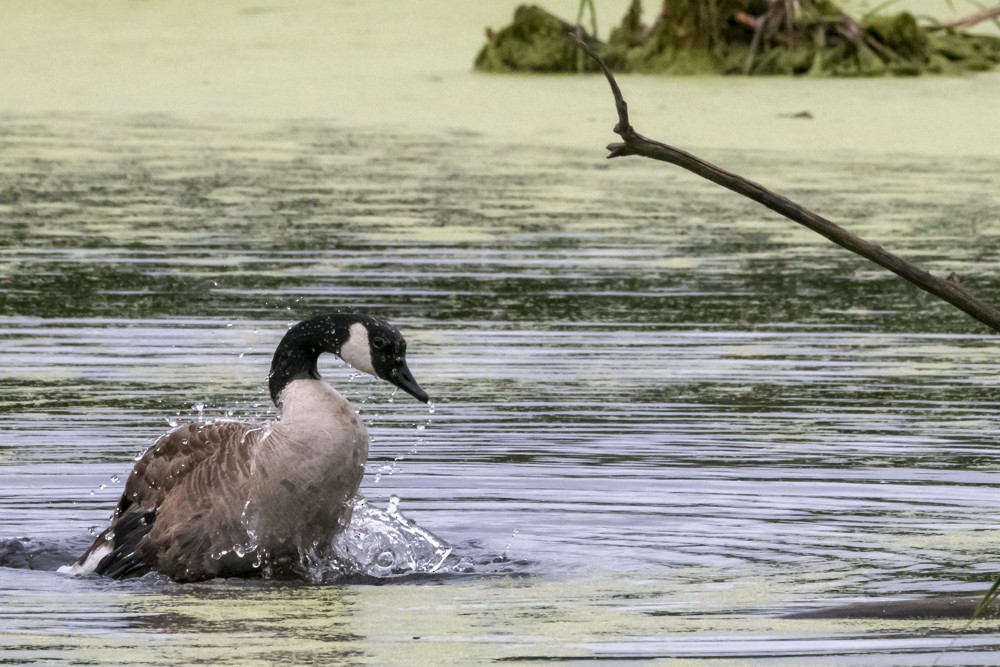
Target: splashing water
[
  {"x": 377, "y": 543},
  {"x": 385, "y": 544},
  {"x": 384, "y": 469}
]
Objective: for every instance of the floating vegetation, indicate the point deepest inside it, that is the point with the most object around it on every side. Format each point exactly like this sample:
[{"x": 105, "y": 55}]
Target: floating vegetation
[{"x": 758, "y": 37}]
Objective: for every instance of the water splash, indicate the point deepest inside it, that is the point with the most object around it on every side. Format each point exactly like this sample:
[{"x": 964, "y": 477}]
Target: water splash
[
  {"x": 384, "y": 469},
  {"x": 377, "y": 543},
  {"x": 506, "y": 549},
  {"x": 385, "y": 544}
]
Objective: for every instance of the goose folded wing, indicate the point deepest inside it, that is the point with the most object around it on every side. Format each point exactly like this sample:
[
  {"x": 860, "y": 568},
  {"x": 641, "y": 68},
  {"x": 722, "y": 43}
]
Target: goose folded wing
[{"x": 173, "y": 462}]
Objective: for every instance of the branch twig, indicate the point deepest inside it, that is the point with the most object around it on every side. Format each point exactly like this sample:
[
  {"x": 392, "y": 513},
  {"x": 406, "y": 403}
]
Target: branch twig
[
  {"x": 992, "y": 13},
  {"x": 634, "y": 143}
]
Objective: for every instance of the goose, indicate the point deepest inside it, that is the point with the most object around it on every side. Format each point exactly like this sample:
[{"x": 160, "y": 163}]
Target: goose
[{"x": 228, "y": 498}]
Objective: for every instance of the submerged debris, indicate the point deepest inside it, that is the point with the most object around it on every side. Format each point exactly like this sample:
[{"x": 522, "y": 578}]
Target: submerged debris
[{"x": 795, "y": 37}]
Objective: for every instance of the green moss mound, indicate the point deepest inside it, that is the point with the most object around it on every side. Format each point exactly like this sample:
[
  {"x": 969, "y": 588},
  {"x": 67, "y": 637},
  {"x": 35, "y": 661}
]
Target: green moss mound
[
  {"x": 536, "y": 41},
  {"x": 811, "y": 37}
]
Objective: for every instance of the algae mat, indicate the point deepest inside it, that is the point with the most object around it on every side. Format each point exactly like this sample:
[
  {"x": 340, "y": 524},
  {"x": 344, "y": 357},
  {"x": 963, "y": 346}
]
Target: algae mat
[{"x": 410, "y": 69}]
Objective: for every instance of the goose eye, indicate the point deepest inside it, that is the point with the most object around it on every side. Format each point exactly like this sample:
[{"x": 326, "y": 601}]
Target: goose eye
[{"x": 378, "y": 342}]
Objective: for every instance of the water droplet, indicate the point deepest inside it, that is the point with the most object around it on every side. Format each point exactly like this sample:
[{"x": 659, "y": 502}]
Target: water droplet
[
  {"x": 92, "y": 530},
  {"x": 114, "y": 479},
  {"x": 506, "y": 549}
]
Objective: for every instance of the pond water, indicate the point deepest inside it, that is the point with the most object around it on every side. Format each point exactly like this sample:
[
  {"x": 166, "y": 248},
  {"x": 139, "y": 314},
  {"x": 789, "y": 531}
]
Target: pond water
[{"x": 664, "y": 418}]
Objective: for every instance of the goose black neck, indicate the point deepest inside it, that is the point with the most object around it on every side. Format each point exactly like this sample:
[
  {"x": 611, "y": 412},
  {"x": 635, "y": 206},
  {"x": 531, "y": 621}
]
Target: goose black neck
[{"x": 296, "y": 355}]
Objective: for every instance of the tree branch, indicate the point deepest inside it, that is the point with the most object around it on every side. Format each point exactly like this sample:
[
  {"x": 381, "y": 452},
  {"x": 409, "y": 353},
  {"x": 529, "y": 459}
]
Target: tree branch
[
  {"x": 990, "y": 14},
  {"x": 633, "y": 143}
]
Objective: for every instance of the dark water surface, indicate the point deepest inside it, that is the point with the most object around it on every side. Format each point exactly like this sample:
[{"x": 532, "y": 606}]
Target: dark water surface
[{"x": 664, "y": 417}]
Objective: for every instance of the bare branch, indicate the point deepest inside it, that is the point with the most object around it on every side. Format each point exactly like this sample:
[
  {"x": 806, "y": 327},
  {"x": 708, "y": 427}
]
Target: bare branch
[
  {"x": 620, "y": 105},
  {"x": 634, "y": 143},
  {"x": 992, "y": 13}
]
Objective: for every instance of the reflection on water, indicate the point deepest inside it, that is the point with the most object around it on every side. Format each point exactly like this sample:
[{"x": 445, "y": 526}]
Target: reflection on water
[{"x": 666, "y": 418}]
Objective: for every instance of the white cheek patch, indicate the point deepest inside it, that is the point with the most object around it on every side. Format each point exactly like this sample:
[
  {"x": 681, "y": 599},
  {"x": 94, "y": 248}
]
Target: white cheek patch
[{"x": 356, "y": 351}]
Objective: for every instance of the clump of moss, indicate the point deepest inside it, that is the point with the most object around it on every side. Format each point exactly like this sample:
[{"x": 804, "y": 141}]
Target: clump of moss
[
  {"x": 901, "y": 34},
  {"x": 953, "y": 51},
  {"x": 536, "y": 41},
  {"x": 811, "y": 37},
  {"x": 687, "y": 37}
]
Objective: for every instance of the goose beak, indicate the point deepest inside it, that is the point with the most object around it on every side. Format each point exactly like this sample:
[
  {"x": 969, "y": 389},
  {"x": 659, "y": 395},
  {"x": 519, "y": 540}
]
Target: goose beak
[{"x": 402, "y": 378}]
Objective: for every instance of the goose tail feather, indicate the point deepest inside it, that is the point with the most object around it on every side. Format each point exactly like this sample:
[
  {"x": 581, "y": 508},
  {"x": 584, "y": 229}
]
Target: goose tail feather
[{"x": 124, "y": 560}]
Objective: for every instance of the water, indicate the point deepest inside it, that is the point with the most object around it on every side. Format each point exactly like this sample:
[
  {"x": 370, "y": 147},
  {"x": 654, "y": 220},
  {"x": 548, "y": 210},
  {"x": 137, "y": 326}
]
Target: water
[{"x": 664, "y": 418}]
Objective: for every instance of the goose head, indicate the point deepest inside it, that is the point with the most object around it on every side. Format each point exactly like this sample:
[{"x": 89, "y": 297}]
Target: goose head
[{"x": 366, "y": 343}]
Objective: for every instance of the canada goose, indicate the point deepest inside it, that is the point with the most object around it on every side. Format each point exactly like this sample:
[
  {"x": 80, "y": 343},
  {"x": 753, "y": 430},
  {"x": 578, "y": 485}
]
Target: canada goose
[{"x": 226, "y": 498}]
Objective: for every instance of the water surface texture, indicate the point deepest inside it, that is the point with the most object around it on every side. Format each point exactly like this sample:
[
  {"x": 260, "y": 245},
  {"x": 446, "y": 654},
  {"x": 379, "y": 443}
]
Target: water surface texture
[{"x": 664, "y": 417}]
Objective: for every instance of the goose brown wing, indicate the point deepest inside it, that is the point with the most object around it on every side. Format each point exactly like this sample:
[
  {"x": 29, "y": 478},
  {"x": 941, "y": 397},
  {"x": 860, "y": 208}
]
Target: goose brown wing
[
  {"x": 173, "y": 457},
  {"x": 173, "y": 460}
]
